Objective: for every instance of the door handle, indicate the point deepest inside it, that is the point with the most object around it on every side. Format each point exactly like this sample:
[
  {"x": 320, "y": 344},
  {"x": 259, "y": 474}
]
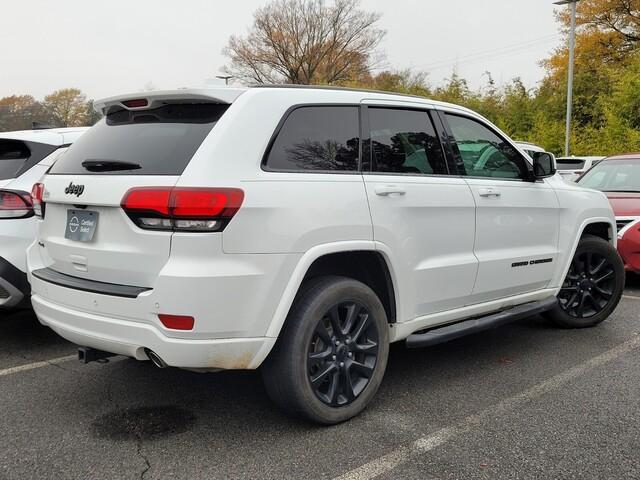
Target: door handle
[
  {"x": 390, "y": 190},
  {"x": 489, "y": 192}
]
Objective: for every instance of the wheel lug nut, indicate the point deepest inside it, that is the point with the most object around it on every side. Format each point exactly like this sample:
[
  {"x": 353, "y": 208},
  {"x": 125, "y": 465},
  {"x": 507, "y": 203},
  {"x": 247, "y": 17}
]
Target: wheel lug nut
[
  {"x": 337, "y": 342},
  {"x": 347, "y": 341},
  {"x": 349, "y": 354},
  {"x": 333, "y": 357},
  {"x": 342, "y": 364}
]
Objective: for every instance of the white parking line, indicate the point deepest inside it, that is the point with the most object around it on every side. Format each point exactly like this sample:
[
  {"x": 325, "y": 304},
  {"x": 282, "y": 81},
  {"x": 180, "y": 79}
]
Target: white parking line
[
  {"x": 33, "y": 366},
  {"x": 426, "y": 443},
  {"x": 631, "y": 297}
]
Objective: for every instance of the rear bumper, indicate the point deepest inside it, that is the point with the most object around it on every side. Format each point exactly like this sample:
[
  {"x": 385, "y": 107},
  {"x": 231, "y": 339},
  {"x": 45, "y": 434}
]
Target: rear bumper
[
  {"x": 14, "y": 287},
  {"x": 130, "y": 338}
]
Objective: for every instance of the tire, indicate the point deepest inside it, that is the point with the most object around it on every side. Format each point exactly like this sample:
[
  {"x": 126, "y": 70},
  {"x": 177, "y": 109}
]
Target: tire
[
  {"x": 593, "y": 286},
  {"x": 348, "y": 374}
]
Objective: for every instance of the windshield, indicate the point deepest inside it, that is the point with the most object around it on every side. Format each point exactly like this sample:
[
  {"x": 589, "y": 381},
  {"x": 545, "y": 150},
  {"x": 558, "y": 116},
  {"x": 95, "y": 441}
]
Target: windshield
[{"x": 614, "y": 176}]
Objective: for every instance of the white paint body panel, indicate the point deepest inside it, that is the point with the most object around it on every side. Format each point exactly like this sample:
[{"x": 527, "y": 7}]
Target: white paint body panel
[
  {"x": 17, "y": 234},
  {"x": 448, "y": 250}
]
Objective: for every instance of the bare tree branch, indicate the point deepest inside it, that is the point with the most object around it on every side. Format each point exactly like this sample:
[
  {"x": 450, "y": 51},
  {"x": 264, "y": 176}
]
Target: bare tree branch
[{"x": 306, "y": 42}]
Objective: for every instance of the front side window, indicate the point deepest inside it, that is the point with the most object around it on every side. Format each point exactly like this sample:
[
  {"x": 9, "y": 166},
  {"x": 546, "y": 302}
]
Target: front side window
[
  {"x": 405, "y": 142},
  {"x": 614, "y": 176},
  {"x": 483, "y": 153},
  {"x": 317, "y": 138}
]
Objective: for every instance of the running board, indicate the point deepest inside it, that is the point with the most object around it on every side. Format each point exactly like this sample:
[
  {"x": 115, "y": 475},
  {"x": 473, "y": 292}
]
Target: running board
[{"x": 474, "y": 325}]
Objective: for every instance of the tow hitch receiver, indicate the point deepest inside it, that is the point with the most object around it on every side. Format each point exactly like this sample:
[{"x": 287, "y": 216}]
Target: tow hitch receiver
[{"x": 87, "y": 355}]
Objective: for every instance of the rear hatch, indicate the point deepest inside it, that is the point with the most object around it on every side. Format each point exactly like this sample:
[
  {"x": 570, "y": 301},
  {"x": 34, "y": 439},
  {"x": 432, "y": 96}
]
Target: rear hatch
[{"x": 149, "y": 143}]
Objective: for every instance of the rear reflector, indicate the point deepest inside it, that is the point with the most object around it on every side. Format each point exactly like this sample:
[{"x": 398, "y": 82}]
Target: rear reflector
[
  {"x": 177, "y": 322},
  {"x": 182, "y": 209},
  {"x": 15, "y": 204}
]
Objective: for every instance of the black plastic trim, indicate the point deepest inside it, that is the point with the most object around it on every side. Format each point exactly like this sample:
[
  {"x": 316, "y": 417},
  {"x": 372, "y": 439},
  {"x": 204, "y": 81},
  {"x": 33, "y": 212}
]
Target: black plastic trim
[
  {"x": 474, "y": 325},
  {"x": 92, "y": 286},
  {"x": 15, "y": 277}
]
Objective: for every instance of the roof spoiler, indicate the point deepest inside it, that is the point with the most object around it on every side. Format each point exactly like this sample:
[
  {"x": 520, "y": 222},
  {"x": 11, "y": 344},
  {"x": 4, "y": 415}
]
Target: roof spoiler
[{"x": 148, "y": 100}]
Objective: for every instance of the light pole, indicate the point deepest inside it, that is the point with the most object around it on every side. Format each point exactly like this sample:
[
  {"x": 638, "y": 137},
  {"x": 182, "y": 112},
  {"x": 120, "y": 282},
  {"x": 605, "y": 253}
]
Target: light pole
[
  {"x": 572, "y": 45},
  {"x": 226, "y": 78}
]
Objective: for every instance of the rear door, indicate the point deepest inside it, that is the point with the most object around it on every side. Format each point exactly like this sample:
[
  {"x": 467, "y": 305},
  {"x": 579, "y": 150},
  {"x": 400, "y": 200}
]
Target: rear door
[
  {"x": 517, "y": 221},
  {"x": 424, "y": 217},
  {"x": 85, "y": 187}
]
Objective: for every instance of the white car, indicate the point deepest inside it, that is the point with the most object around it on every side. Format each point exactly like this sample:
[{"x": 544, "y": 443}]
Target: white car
[
  {"x": 24, "y": 158},
  {"x": 572, "y": 167},
  {"x": 302, "y": 230}
]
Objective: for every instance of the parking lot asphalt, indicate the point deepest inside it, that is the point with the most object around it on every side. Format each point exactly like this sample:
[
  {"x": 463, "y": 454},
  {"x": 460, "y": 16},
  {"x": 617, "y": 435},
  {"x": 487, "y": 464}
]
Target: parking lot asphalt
[{"x": 523, "y": 401}]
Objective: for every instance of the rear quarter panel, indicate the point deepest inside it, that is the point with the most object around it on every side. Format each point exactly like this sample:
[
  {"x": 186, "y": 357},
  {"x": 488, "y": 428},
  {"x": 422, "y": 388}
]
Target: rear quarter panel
[{"x": 281, "y": 212}]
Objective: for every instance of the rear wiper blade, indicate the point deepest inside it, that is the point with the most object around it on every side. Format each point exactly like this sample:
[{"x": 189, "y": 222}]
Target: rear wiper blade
[{"x": 109, "y": 165}]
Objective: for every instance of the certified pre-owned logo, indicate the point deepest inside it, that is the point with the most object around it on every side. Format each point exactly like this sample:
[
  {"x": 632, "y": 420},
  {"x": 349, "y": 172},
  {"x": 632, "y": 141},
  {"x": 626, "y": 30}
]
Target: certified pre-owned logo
[
  {"x": 74, "y": 224},
  {"x": 74, "y": 189}
]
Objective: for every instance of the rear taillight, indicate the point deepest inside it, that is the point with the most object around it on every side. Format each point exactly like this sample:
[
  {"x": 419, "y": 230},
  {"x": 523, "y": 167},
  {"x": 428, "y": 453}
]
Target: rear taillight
[
  {"x": 15, "y": 204},
  {"x": 182, "y": 209},
  {"x": 37, "y": 192}
]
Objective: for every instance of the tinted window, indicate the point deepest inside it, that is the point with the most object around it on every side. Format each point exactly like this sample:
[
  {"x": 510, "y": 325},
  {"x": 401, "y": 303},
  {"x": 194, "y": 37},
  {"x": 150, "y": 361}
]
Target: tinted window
[
  {"x": 483, "y": 153},
  {"x": 13, "y": 154},
  {"x": 159, "y": 141},
  {"x": 317, "y": 138},
  {"x": 404, "y": 141},
  {"x": 614, "y": 175},
  {"x": 569, "y": 164}
]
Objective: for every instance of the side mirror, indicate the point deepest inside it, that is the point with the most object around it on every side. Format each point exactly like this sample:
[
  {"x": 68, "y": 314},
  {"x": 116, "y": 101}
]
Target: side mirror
[{"x": 544, "y": 165}]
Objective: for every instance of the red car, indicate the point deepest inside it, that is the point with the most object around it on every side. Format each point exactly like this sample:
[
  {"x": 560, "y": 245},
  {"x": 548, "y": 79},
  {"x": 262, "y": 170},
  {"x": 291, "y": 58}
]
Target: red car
[{"x": 619, "y": 178}]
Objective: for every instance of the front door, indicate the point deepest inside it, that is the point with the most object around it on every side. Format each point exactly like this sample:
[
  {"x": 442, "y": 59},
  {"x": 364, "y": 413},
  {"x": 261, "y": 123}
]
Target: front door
[{"x": 517, "y": 221}]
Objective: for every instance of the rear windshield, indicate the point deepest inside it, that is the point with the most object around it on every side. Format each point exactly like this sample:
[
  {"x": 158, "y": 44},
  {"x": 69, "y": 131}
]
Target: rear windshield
[
  {"x": 13, "y": 155},
  {"x": 569, "y": 164},
  {"x": 159, "y": 141}
]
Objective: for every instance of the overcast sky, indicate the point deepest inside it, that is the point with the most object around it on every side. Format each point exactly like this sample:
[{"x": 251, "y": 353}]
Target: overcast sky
[{"x": 115, "y": 46}]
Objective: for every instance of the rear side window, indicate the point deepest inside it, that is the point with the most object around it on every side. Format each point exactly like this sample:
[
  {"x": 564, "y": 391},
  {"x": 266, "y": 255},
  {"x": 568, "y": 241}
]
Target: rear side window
[
  {"x": 13, "y": 155},
  {"x": 16, "y": 156},
  {"x": 405, "y": 141},
  {"x": 159, "y": 141},
  {"x": 317, "y": 138}
]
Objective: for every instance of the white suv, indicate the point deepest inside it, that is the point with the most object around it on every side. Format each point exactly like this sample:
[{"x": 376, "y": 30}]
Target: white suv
[
  {"x": 24, "y": 158},
  {"x": 302, "y": 230}
]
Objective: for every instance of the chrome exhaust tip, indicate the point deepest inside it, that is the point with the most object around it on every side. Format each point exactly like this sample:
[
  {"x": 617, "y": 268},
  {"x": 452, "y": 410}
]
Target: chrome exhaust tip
[{"x": 155, "y": 359}]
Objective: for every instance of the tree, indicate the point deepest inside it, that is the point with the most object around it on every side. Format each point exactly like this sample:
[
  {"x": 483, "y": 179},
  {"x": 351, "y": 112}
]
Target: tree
[
  {"x": 19, "y": 112},
  {"x": 67, "y": 107},
  {"x": 306, "y": 42}
]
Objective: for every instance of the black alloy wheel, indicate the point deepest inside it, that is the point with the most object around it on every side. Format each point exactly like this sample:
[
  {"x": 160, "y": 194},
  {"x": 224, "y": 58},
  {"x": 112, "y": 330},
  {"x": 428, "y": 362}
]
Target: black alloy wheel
[
  {"x": 342, "y": 354},
  {"x": 589, "y": 285},
  {"x": 332, "y": 352},
  {"x": 593, "y": 286}
]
